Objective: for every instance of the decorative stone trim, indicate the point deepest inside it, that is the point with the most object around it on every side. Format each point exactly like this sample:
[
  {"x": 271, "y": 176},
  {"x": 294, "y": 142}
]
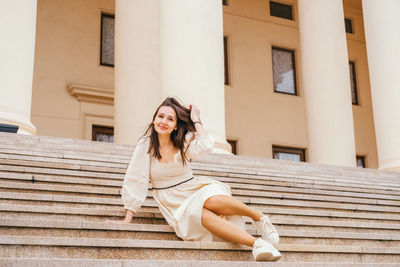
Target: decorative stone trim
[
  {"x": 25, "y": 126},
  {"x": 222, "y": 147},
  {"x": 90, "y": 94}
]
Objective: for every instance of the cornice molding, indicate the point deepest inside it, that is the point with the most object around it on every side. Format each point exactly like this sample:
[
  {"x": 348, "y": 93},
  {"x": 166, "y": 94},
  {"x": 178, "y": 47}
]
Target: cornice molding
[{"x": 90, "y": 94}]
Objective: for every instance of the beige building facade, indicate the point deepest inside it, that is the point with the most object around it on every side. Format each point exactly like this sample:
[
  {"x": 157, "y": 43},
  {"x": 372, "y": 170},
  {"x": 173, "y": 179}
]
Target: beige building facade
[{"x": 175, "y": 48}]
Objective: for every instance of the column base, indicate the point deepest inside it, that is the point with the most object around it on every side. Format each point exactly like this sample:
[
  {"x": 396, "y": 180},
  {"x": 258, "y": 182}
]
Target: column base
[
  {"x": 25, "y": 126},
  {"x": 393, "y": 169},
  {"x": 221, "y": 146},
  {"x": 390, "y": 165}
]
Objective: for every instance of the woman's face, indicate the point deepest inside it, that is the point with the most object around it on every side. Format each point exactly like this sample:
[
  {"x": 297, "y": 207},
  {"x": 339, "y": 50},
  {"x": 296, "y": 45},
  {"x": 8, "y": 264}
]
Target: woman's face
[{"x": 165, "y": 121}]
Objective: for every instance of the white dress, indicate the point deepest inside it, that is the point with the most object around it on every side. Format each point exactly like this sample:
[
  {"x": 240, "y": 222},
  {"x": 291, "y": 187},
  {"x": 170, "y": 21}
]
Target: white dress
[{"x": 182, "y": 205}]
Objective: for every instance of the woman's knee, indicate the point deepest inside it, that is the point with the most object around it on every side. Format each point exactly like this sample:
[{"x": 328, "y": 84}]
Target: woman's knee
[
  {"x": 214, "y": 202},
  {"x": 205, "y": 216}
]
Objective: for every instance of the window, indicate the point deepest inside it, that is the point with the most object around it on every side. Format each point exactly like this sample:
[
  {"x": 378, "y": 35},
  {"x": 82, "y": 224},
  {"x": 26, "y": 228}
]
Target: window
[
  {"x": 287, "y": 153},
  {"x": 361, "y": 162},
  {"x": 107, "y": 40},
  {"x": 283, "y": 64},
  {"x": 353, "y": 82},
  {"x": 226, "y": 61},
  {"x": 102, "y": 134},
  {"x": 348, "y": 23},
  {"x": 233, "y": 144},
  {"x": 280, "y": 10}
]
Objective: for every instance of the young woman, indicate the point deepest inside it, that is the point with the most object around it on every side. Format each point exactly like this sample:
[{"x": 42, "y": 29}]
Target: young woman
[{"x": 193, "y": 206}]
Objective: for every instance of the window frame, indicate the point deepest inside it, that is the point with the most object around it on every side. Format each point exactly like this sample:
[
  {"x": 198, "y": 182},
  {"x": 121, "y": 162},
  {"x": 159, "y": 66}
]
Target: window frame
[
  {"x": 355, "y": 84},
  {"x": 364, "y": 160},
  {"x": 101, "y": 129},
  {"x": 291, "y": 5},
  {"x": 293, "y": 52},
  {"x": 101, "y": 39},
  {"x": 352, "y": 25},
  {"x": 290, "y": 150},
  {"x": 234, "y": 147},
  {"x": 227, "y": 76}
]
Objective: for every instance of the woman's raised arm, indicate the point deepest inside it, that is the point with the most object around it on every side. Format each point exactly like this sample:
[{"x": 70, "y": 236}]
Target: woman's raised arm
[{"x": 195, "y": 117}]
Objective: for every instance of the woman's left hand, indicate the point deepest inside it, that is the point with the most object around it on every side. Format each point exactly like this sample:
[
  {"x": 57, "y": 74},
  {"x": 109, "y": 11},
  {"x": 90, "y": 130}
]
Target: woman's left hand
[{"x": 194, "y": 113}]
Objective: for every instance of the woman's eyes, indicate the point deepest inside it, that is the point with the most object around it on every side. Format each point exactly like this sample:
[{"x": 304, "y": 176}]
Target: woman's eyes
[{"x": 162, "y": 116}]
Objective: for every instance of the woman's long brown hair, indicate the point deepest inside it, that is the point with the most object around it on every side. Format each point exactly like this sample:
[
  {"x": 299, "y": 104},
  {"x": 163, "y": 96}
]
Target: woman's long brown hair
[{"x": 184, "y": 125}]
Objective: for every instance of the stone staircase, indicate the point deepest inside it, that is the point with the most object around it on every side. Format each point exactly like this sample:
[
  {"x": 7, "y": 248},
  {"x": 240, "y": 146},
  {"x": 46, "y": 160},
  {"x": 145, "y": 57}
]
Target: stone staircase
[{"x": 55, "y": 195}]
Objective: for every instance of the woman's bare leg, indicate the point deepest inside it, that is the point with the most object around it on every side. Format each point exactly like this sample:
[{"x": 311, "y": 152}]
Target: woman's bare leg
[
  {"x": 227, "y": 206},
  {"x": 225, "y": 229}
]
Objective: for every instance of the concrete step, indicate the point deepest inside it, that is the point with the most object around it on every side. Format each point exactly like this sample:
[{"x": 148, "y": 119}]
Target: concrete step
[
  {"x": 33, "y": 150},
  {"x": 28, "y": 187},
  {"x": 312, "y": 189},
  {"x": 36, "y": 262},
  {"x": 46, "y": 158},
  {"x": 7, "y": 170},
  {"x": 30, "y": 183},
  {"x": 45, "y": 208},
  {"x": 64, "y": 143},
  {"x": 114, "y": 199},
  {"x": 90, "y": 229},
  {"x": 59, "y": 179},
  {"x": 120, "y": 168},
  {"x": 253, "y": 162},
  {"x": 89, "y": 148},
  {"x": 323, "y": 170},
  {"x": 237, "y": 162},
  {"x": 152, "y": 216},
  {"x": 282, "y": 224},
  {"x": 75, "y": 173},
  {"x": 234, "y": 183},
  {"x": 70, "y": 169},
  {"x": 257, "y": 162},
  {"x": 55, "y": 194},
  {"x": 104, "y": 179},
  {"x": 32, "y": 246},
  {"x": 65, "y": 166},
  {"x": 353, "y": 181},
  {"x": 72, "y": 201},
  {"x": 284, "y": 180},
  {"x": 254, "y": 165}
]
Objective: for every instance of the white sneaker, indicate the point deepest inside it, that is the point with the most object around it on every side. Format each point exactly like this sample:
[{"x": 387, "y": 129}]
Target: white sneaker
[
  {"x": 264, "y": 251},
  {"x": 267, "y": 230}
]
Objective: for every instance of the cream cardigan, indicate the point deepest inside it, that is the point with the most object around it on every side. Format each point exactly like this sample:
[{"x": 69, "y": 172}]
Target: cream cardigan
[{"x": 136, "y": 181}]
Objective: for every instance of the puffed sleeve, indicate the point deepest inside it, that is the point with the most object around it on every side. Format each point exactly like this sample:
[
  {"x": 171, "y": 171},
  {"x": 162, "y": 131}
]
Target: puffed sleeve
[
  {"x": 136, "y": 181},
  {"x": 198, "y": 145}
]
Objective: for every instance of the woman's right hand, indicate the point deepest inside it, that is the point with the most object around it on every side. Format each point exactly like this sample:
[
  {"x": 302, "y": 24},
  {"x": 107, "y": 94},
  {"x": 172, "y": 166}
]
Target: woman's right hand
[{"x": 194, "y": 113}]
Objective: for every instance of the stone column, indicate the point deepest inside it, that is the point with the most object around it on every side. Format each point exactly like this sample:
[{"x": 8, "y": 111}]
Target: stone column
[
  {"x": 191, "y": 66},
  {"x": 137, "y": 77},
  {"x": 381, "y": 24},
  {"x": 17, "y": 49},
  {"x": 326, "y": 82}
]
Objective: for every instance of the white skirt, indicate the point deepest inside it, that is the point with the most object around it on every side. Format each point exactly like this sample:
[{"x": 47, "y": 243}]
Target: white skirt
[{"x": 182, "y": 207}]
